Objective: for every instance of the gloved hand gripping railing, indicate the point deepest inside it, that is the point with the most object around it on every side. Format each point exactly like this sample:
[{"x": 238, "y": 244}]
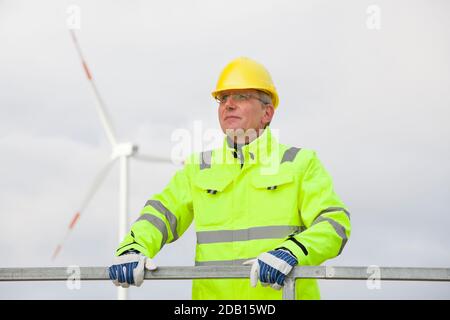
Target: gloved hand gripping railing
[{"x": 225, "y": 272}]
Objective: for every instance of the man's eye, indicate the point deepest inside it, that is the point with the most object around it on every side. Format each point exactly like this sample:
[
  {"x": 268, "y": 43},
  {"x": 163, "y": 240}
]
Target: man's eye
[
  {"x": 224, "y": 97},
  {"x": 241, "y": 97}
]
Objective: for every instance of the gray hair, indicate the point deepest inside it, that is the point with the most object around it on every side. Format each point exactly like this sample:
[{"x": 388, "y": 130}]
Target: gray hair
[{"x": 265, "y": 97}]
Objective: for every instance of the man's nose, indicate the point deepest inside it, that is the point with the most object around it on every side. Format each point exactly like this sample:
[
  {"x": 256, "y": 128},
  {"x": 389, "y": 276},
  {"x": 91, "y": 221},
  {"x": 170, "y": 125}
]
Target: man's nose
[{"x": 229, "y": 104}]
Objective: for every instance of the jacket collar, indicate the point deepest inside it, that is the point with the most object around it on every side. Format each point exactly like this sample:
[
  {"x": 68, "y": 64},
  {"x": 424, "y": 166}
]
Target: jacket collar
[{"x": 254, "y": 152}]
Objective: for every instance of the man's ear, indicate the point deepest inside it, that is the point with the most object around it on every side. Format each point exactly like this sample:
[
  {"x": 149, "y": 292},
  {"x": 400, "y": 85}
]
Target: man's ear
[{"x": 269, "y": 111}]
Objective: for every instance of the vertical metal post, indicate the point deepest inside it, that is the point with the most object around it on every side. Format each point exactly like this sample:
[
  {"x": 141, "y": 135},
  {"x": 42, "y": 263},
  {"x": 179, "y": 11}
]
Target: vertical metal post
[
  {"x": 122, "y": 293},
  {"x": 289, "y": 288}
]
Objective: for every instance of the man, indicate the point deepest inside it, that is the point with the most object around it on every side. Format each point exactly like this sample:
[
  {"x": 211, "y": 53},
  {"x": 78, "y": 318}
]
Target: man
[{"x": 254, "y": 201}]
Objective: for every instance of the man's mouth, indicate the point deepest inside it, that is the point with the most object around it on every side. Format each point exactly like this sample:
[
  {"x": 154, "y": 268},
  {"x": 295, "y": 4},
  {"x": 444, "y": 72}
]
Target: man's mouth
[{"x": 231, "y": 117}]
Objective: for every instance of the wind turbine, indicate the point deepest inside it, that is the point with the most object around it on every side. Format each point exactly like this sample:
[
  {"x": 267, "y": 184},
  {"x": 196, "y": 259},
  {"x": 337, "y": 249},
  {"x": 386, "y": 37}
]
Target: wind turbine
[{"x": 120, "y": 151}]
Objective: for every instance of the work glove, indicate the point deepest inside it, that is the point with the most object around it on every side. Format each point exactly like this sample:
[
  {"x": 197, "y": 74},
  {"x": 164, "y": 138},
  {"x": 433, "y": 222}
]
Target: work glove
[
  {"x": 271, "y": 268},
  {"x": 129, "y": 268}
]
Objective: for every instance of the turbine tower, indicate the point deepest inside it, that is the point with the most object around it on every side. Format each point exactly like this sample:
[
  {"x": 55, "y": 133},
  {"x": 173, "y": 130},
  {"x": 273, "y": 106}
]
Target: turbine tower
[{"x": 120, "y": 151}]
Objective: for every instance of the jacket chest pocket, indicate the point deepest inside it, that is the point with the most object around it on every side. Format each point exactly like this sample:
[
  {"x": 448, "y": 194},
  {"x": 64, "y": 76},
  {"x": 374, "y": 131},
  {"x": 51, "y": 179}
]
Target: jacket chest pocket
[
  {"x": 274, "y": 198},
  {"x": 211, "y": 200}
]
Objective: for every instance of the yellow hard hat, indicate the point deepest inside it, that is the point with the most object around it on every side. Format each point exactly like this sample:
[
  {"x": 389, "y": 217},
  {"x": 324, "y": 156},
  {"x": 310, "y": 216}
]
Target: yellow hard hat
[{"x": 245, "y": 73}]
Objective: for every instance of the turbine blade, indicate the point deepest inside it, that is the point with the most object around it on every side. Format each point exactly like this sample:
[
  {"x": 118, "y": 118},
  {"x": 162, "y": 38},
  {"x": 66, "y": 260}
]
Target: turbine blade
[
  {"x": 152, "y": 158},
  {"x": 96, "y": 183},
  {"x": 100, "y": 105},
  {"x": 92, "y": 190}
]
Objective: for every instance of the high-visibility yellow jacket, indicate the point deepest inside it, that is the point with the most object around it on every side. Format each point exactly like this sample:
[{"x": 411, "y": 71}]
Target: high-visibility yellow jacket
[{"x": 245, "y": 201}]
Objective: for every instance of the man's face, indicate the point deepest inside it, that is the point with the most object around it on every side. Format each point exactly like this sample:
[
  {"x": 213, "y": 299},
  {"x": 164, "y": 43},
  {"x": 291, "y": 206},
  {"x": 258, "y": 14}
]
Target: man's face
[{"x": 243, "y": 114}]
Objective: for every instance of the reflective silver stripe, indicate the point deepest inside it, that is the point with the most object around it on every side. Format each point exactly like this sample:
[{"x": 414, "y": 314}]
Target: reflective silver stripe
[
  {"x": 340, "y": 230},
  {"x": 236, "y": 262},
  {"x": 169, "y": 216},
  {"x": 334, "y": 209},
  {"x": 158, "y": 223},
  {"x": 271, "y": 232},
  {"x": 299, "y": 230},
  {"x": 289, "y": 154},
  {"x": 205, "y": 159}
]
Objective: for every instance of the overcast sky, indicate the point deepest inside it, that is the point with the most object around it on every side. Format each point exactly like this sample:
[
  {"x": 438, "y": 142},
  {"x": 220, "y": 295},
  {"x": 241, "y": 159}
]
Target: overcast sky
[{"x": 364, "y": 83}]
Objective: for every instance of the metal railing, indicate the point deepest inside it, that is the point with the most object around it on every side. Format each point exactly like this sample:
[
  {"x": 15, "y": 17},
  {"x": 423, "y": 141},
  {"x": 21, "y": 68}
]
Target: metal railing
[{"x": 235, "y": 272}]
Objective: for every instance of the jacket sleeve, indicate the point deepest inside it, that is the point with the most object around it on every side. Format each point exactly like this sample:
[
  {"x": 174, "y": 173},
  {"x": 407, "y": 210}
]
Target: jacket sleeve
[
  {"x": 325, "y": 217},
  {"x": 164, "y": 218}
]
